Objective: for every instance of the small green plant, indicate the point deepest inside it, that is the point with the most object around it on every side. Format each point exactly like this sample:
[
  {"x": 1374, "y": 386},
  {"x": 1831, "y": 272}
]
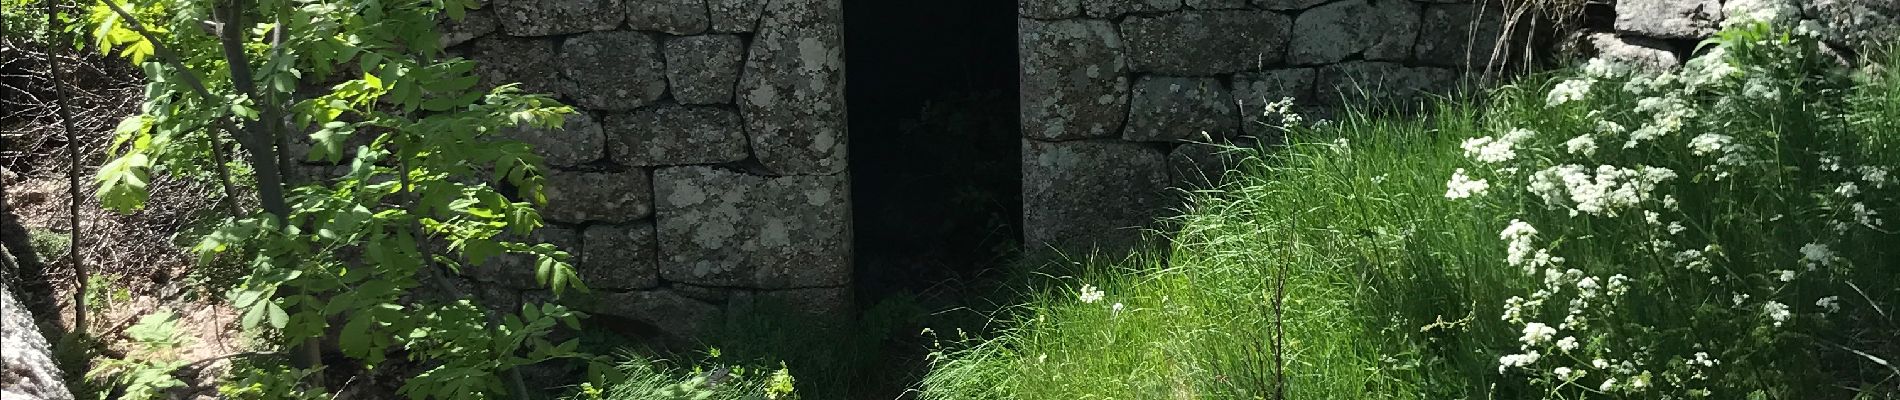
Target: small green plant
[
  {"x": 146, "y": 372},
  {"x": 645, "y": 379}
]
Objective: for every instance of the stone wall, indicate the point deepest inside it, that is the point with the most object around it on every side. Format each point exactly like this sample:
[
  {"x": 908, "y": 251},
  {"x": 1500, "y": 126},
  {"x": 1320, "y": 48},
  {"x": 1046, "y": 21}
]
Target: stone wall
[
  {"x": 706, "y": 166},
  {"x": 1120, "y": 98}
]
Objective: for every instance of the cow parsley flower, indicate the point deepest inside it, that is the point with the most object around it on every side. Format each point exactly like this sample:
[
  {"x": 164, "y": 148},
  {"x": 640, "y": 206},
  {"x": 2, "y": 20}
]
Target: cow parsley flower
[
  {"x": 1462, "y": 186},
  {"x": 1848, "y": 190},
  {"x": 1518, "y": 236},
  {"x": 1816, "y": 255},
  {"x": 1090, "y": 294},
  {"x": 1568, "y": 91},
  {"x": 1707, "y": 143},
  {"x": 1496, "y": 150},
  {"x": 1517, "y": 360},
  {"x": 1874, "y": 175},
  {"x": 1865, "y": 216},
  {"x": 1601, "y": 68},
  {"x": 1784, "y": 275},
  {"x": 1777, "y": 312},
  {"x": 1537, "y": 332},
  {"x": 1702, "y": 358},
  {"x": 1582, "y": 144},
  {"x": 1567, "y": 344},
  {"x": 1830, "y": 303},
  {"x": 1608, "y": 384}
]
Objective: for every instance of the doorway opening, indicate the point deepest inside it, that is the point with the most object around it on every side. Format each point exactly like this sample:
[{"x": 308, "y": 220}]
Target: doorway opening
[{"x": 935, "y": 144}]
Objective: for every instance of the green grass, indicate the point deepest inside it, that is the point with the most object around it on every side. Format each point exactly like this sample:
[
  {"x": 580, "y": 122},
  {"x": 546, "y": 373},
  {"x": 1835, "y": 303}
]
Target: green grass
[
  {"x": 1341, "y": 222},
  {"x": 1393, "y": 291}
]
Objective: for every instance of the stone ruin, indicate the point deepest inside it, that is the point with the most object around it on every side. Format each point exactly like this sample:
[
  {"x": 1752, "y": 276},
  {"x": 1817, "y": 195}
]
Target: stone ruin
[{"x": 708, "y": 171}]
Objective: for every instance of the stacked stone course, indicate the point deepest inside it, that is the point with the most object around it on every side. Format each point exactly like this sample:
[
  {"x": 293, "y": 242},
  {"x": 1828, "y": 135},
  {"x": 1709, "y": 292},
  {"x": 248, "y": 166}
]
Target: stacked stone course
[
  {"x": 705, "y": 167},
  {"x": 1123, "y": 100}
]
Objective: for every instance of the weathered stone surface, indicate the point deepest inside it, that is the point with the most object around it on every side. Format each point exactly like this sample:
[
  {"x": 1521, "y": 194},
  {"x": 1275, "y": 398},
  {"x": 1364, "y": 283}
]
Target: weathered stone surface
[
  {"x": 554, "y": 17},
  {"x": 1460, "y": 35},
  {"x": 1635, "y": 51},
  {"x": 1287, "y": 4},
  {"x": 518, "y": 270},
  {"x": 735, "y": 16},
  {"x": 1201, "y": 165},
  {"x": 612, "y": 71},
  {"x": 619, "y": 257},
  {"x": 679, "y": 17},
  {"x": 1216, "y": 4},
  {"x": 704, "y": 68},
  {"x": 1115, "y": 8},
  {"x": 579, "y": 141},
  {"x": 1254, "y": 90},
  {"x": 1075, "y": 79},
  {"x": 1668, "y": 19},
  {"x": 679, "y": 318},
  {"x": 29, "y": 371},
  {"x": 1168, "y": 109},
  {"x": 1049, "y": 9},
  {"x": 1079, "y": 195},
  {"x": 502, "y": 59},
  {"x": 577, "y": 197},
  {"x": 723, "y": 228},
  {"x": 1860, "y": 24},
  {"x": 1206, "y": 42},
  {"x": 793, "y": 101},
  {"x": 1381, "y": 31},
  {"x": 676, "y": 135},
  {"x": 474, "y": 24},
  {"x": 831, "y": 303},
  {"x": 1380, "y": 84}
]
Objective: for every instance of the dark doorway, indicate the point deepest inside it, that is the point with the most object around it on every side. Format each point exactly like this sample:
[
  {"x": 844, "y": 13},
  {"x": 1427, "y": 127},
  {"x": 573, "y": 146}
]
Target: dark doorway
[{"x": 935, "y": 149}]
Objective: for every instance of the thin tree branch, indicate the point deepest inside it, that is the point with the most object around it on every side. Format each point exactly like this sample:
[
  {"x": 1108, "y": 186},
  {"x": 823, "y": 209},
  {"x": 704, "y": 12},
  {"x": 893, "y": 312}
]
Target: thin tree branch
[{"x": 81, "y": 277}]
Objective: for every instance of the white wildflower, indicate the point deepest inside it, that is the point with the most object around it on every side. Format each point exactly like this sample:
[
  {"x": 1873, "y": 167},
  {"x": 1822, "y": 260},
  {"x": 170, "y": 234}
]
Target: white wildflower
[
  {"x": 1676, "y": 227},
  {"x": 1090, "y": 294},
  {"x": 1609, "y": 127},
  {"x": 1582, "y": 144},
  {"x": 1462, "y": 186},
  {"x": 1567, "y": 374},
  {"x": 1537, "y": 332},
  {"x": 1776, "y": 311},
  {"x": 1865, "y": 216},
  {"x": 1518, "y": 235},
  {"x": 1848, "y": 190},
  {"x": 1738, "y": 298},
  {"x": 1568, "y": 91},
  {"x": 1601, "y": 68},
  {"x": 1652, "y": 217},
  {"x": 1617, "y": 286},
  {"x": 1707, "y": 143},
  {"x": 1874, "y": 175},
  {"x": 1816, "y": 255},
  {"x": 1702, "y": 358},
  {"x": 1115, "y": 310},
  {"x": 1496, "y": 150},
  {"x": 1600, "y": 363},
  {"x": 1567, "y": 344},
  {"x": 1608, "y": 384},
  {"x": 1587, "y": 287},
  {"x": 1784, "y": 275},
  {"x": 1517, "y": 360},
  {"x": 1830, "y": 303}
]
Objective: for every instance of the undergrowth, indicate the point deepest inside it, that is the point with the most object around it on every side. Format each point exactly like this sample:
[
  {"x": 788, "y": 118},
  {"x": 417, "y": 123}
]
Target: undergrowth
[{"x": 1390, "y": 282}]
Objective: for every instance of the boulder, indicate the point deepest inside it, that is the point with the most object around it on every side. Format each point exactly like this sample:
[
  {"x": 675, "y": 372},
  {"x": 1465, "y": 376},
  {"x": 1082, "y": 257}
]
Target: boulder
[
  {"x": 581, "y": 196},
  {"x": 1287, "y": 4},
  {"x": 30, "y": 370},
  {"x": 1668, "y": 19},
  {"x": 735, "y": 16},
  {"x": 579, "y": 140},
  {"x": 793, "y": 88},
  {"x": 613, "y": 71},
  {"x": 474, "y": 24},
  {"x": 1207, "y": 42},
  {"x": 1074, "y": 79},
  {"x": 730, "y": 229},
  {"x": 678, "y": 318},
  {"x": 1863, "y": 25},
  {"x": 678, "y": 17},
  {"x": 555, "y": 17},
  {"x": 502, "y": 59},
  {"x": 619, "y": 257},
  {"x": 1460, "y": 35},
  {"x": 1636, "y": 51},
  {"x": 703, "y": 69},
  {"x": 676, "y": 135},
  {"x": 1168, "y": 109},
  {"x": 1378, "y": 31},
  {"x": 1084, "y": 195},
  {"x": 1049, "y": 9}
]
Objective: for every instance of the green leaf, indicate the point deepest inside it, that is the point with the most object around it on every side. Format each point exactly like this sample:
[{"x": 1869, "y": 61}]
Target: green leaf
[{"x": 278, "y": 319}]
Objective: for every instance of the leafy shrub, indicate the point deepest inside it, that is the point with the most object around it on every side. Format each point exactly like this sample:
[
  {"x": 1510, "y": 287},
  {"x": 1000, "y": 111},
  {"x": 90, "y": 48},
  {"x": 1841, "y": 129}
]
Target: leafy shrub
[{"x": 1713, "y": 231}]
